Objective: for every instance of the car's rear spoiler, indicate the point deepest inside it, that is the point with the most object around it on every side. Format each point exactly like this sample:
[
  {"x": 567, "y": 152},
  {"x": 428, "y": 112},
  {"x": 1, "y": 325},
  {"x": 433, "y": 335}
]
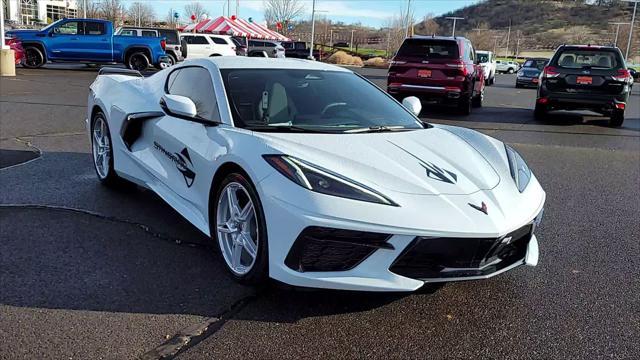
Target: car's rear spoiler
[{"x": 119, "y": 71}]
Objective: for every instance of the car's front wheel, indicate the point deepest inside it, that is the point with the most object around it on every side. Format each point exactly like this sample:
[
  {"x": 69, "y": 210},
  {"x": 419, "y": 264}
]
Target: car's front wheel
[
  {"x": 33, "y": 57},
  {"x": 102, "y": 151},
  {"x": 617, "y": 118},
  {"x": 240, "y": 230}
]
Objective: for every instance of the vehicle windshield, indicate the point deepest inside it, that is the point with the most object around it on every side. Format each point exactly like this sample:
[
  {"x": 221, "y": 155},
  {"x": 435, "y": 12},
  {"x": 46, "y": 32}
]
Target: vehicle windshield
[
  {"x": 51, "y": 25},
  {"x": 313, "y": 100},
  {"x": 429, "y": 48},
  {"x": 588, "y": 58},
  {"x": 483, "y": 58},
  {"x": 535, "y": 63}
]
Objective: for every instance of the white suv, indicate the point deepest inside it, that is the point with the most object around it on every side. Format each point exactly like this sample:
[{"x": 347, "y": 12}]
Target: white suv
[
  {"x": 507, "y": 66},
  {"x": 488, "y": 63},
  {"x": 205, "y": 45}
]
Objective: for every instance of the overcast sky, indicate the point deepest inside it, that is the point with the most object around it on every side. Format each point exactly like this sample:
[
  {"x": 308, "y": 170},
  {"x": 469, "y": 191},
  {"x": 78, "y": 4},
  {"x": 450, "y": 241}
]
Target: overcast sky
[{"x": 368, "y": 12}]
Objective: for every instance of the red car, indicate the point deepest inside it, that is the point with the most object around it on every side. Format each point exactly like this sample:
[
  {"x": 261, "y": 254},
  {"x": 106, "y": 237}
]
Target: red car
[
  {"x": 437, "y": 70},
  {"x": 15, "y": 45}
]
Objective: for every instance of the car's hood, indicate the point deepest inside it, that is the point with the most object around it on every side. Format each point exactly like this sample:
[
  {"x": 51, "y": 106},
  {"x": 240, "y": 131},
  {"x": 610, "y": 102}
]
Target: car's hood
[{"x": 428, "y": 162}]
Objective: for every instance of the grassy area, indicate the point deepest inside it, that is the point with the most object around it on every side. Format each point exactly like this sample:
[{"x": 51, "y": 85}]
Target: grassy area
[{"x": 367, "y": 51}]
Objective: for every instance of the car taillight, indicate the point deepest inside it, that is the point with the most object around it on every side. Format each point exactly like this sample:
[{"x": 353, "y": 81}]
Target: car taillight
[
  {"x": 550, "y": 72},
  {"x": 460, "y": 66},
  {"x": 622, "y": 75},
  {"x": 163, "y": 44}
]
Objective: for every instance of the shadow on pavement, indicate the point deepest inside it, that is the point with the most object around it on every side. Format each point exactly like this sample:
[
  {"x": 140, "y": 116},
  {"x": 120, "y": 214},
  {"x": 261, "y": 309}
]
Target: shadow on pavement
[{"x": 15, "y": 157}]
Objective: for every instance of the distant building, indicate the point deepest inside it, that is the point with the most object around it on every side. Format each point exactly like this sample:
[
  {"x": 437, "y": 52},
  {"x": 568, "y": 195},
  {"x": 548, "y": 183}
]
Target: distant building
[{"x": 29, "y": 12}]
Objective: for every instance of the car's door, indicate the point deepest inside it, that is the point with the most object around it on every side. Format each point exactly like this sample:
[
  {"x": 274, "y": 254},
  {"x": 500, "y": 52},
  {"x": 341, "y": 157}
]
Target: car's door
[
  {"x": 197, "y": 46},
  {"x": 95, "y": 43},
  {"x": 220, "y": 46},
  {"x": 64, "y": 41},
  {"x": 185, "y": 148}
]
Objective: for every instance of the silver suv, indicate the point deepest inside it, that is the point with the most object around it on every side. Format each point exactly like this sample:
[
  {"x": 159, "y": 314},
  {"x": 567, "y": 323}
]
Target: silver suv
[{"x": 273, "y": 48}]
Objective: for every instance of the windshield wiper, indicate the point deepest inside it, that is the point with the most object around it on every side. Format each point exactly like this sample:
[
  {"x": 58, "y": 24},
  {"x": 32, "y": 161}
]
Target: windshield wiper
[
  {"x": 379, "y": 128},
  {"x": 282, "y": 128}
]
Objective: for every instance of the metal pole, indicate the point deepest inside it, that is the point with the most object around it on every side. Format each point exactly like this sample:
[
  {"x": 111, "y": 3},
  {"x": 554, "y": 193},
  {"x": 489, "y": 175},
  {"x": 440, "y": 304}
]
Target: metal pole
[
  {"x": 406, "y": 35},
  {"x": 633, "y": 19},
  {"x": 238, "y": 8},
  {"x": 313, "y": 27},
  {"x": 84, "y": 9},
  {"x": 388, "y": 41},
  {"x": 454, "y": 28},
  {"x": 331, "y": 37},
  {"x": 351, "y": 44},
  {"x": 506, "y": 49},
  {"x": 454, "y": 18},
  {"x": 617, "y": 32},
  {"x": 2, "y": 46}
]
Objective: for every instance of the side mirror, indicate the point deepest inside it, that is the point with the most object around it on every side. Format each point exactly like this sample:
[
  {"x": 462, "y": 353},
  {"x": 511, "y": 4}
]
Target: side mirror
[
  {"x": 412, "y": 104},
  {"x": 178, "y": 106}
]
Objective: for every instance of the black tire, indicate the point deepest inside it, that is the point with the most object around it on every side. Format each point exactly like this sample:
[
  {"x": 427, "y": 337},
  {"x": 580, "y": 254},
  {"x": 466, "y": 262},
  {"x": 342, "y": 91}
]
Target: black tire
[
  {"x": 478, "y": 99},
  {"x": 259, "y": 273},
  {"x": 510, "y": 71},
  {"x": 617, "y": 118},
  {"x": 493, "y": 79},
  {"x": 110, "y": 179},
  {"x": 172, "y": 59},
  {"x": 33, "y": 58},
  {"x": 518, "y": 86},
  {"x": 464, "y": 105},
  {"x": 138, "y": 61},
  {"x": 540, "y": 112}
]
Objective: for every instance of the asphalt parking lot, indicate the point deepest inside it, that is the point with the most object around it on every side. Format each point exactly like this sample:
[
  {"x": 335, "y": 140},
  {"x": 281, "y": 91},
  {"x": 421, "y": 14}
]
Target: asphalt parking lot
[{"x": 87, "y": 272}]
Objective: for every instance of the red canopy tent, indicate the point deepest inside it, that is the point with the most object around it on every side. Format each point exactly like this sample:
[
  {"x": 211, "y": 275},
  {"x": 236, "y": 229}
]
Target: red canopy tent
[{"x": 234, "y": 27}]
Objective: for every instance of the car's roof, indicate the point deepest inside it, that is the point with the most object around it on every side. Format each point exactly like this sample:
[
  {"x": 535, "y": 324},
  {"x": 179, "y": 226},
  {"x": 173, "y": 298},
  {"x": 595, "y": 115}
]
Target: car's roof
[
  {"x": 243, "y": 62},
  {"x": 426, "y": 37},
  {"x": 483, "y": 51}
]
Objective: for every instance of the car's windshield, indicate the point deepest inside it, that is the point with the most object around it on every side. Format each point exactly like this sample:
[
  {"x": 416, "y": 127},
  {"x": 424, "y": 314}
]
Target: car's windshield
[
  {"x": 51, "y": 25},
  {"x": 326, "y": 101},
  {"x": 535, "y": 63},
  {"x": 483, "y": 58},
  {"x": 578, "y": 58}
]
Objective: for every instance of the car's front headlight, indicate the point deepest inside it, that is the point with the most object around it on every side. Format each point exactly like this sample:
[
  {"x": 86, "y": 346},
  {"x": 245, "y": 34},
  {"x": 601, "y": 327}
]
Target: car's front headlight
[
  {"x": 520, "y": 73},
  {"x": 315, "y": 178},
  {"x": 520, "y": 172}
]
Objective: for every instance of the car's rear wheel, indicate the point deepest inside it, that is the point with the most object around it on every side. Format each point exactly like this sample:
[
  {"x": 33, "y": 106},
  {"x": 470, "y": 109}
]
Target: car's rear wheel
[
  {"x": 511, "y": 71},
  {"x": 540, "y": 112},
  {"x": 102, "y": 151},
  {"x": 33, "y": 57},
  {"x": 464, "y": 105},
  {"x": 617, "y": 118},
  {"x": 478, "y": 99},
  {"x": 240, "y": 230},
  {"x": 138, "y": 61}
]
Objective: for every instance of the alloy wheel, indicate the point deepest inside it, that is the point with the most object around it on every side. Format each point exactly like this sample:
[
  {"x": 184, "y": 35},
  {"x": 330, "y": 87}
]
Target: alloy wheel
[
  {"x": 101, "y": 147},
  {"x": 237, "y": 228}
]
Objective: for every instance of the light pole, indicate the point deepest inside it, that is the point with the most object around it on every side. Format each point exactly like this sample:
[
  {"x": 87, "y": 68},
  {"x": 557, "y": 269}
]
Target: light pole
[
  {"x": 495, "y": 43},
  {"x": 633, "y": 20},
  {"x": 506, "y": 49},
  {"x": 454, "y": 18},
  {"x": 313, "y": 26},
  {"x": 406, "y": 34},
  {"x": 615, "y": 42},
  {"x": 331, "y": 37},
  {"x": 351, "y": 43}
]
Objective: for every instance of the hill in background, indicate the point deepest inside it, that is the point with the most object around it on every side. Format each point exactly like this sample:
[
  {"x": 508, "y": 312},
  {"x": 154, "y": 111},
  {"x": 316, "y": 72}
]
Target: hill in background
[{"x": 540, "y": 24}]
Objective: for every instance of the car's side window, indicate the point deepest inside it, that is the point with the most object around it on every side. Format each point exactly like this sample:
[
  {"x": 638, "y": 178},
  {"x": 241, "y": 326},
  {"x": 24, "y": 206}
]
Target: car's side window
[
  {"x": 199, "y": 40},
  {"x": 93, "y": 28},
  {"x": 68, "y": 28},
  {"x": 195, "y": 83},
  {"x": 128, "y": 32},
  {"x": 149, "y": 33},
  {"x": 218, "y": 41}
]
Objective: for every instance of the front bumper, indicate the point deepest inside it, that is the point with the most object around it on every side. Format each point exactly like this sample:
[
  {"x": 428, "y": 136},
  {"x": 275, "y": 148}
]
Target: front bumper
[{"x": 290, "y": 212}]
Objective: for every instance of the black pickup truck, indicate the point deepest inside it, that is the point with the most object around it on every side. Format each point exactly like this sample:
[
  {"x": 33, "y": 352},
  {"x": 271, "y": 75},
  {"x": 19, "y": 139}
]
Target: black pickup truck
[{"x": 298, "y": 49}]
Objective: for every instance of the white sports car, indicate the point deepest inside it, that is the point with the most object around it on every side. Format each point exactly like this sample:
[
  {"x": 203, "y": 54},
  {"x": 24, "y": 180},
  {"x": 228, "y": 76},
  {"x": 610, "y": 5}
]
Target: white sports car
[{"x": 309, "y": 174}]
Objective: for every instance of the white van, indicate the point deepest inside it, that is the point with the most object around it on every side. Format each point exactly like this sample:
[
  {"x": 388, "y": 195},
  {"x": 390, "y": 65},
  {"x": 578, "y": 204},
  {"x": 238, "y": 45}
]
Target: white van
[
  {"x": 205, "y": 45},
  {"x": 487, "y": 60}
]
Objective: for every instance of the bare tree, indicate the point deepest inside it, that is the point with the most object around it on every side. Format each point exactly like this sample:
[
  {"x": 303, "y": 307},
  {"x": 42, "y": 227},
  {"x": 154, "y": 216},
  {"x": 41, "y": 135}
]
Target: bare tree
[
  {"x": 282, "y": 10},
  {"x": 195, "y": 8},
  {"x": 92, "y": 10},
  {"x": 112, "y": 10},
  {"x": 397, "y": 26},
  {"x": 141, "y": 13}
]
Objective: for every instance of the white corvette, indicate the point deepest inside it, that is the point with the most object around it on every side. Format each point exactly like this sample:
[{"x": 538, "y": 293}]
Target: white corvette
[{"x": 309, "y": 174}]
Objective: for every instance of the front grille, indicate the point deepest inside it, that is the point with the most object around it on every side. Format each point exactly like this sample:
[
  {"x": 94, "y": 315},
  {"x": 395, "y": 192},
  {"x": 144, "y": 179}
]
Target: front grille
[
  {"x": 426, "y": 258},
  {"x": 327, "y": 249}
]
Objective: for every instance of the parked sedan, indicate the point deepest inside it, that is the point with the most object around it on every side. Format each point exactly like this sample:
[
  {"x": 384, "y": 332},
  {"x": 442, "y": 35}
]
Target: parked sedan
[
  {"x": 529, "y": 74},
  {"x": 307, "y": 173}
]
